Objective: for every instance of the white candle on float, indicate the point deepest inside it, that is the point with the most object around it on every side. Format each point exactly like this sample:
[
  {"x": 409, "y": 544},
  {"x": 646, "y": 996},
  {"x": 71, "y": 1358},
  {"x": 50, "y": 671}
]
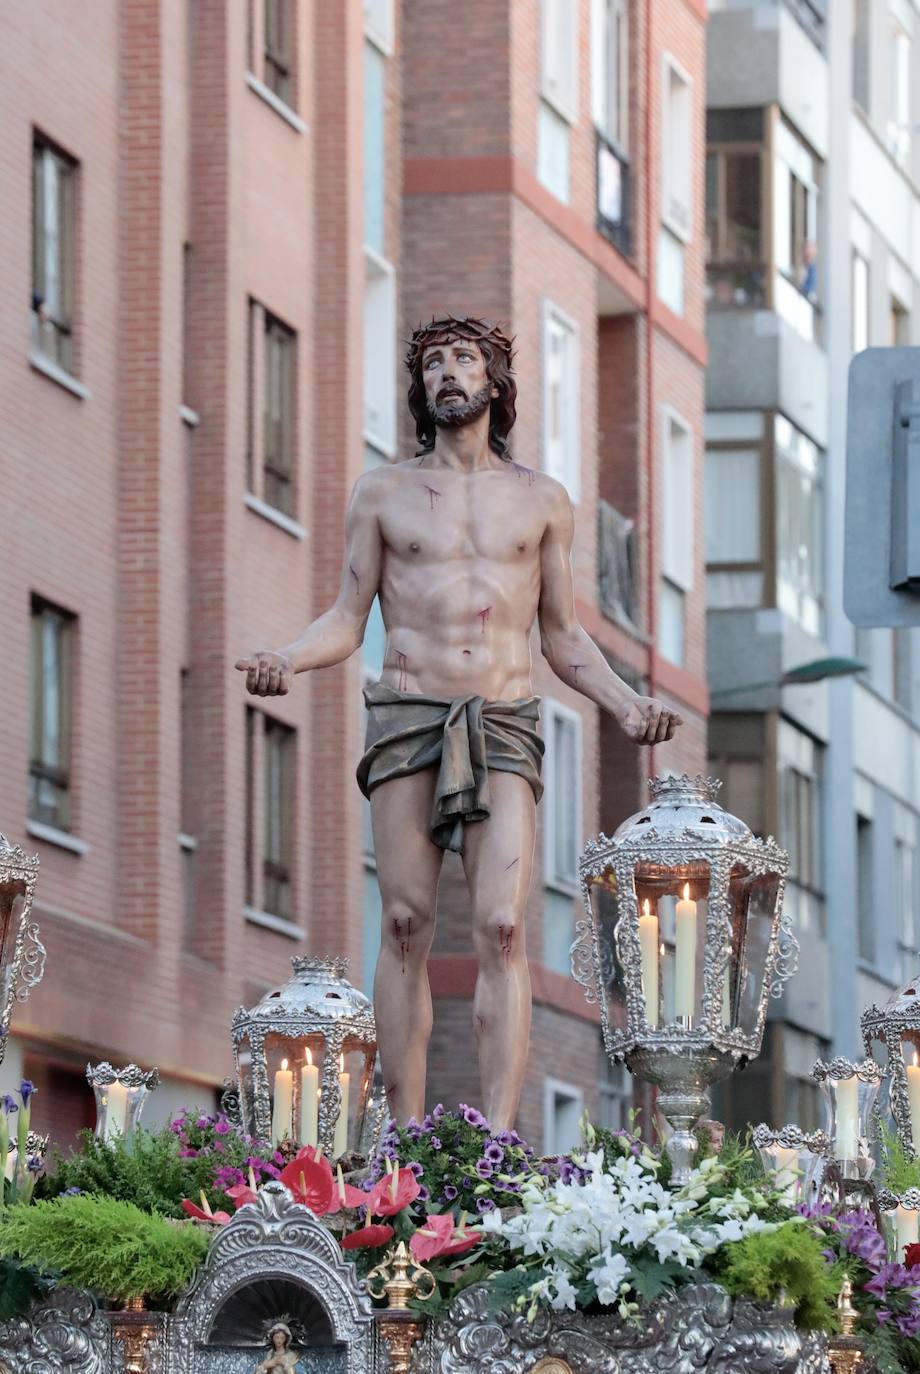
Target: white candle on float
[
  {"x": 648, "y": 944},
  {"x": 340, "y": 1139},
  {"x": 309, "y": 1102},
  {"x": 847, "y": 1118},
  {"x": 913, "y": 1097},
  {"x": 282, "y": 1104},
  {"x": 116, "y": 1112},
  {"x": 685, "y": 987},
  {"x": 727, "y": 997},
  {"x": 906, "y": 1230}
]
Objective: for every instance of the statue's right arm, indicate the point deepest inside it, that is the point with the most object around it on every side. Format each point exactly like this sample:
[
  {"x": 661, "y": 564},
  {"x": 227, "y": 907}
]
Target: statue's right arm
[{"x": 336, "y": 634}]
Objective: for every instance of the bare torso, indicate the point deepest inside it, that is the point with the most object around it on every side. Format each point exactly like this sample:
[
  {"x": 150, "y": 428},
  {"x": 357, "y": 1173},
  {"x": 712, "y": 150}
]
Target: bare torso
[{"x": 460, "y": 576}]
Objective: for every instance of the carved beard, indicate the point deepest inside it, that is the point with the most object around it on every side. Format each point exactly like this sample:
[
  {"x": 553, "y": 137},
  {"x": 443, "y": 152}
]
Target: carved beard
[{"x": 453, "y": 416}]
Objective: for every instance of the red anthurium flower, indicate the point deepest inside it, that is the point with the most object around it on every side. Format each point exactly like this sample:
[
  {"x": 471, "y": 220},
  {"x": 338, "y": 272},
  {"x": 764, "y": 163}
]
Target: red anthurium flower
[
  {"x": 911, "y": 1255},
  {"x": 438, "y": 1238},
  {"x": 367, "y": 1236},
  {"x": 241, "y": 1193},
  {"x": 311, "y": 1181},
  {"x": 203, "y": 1214},
  {"x": 391, "y": 1194},
  {"x": 345, "y": 1195}
]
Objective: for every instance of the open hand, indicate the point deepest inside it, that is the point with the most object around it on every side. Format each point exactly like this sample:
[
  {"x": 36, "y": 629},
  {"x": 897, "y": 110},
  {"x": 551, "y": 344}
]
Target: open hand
[
  {"x": 268, "y": 674},
  {"x": 649, "y": 721}
]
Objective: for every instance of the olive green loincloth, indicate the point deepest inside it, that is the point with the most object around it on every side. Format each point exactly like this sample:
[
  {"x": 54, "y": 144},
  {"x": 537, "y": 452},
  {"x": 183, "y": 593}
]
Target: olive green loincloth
[{"x": 464, "y": 738}]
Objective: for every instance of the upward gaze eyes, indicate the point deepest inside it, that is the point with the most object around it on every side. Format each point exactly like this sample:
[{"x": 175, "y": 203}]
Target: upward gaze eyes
[{"x": 436, "y": 358}]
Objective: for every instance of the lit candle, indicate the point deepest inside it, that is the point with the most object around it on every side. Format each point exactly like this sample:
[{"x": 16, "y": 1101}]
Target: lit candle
[
  {"x": 648, "y": 943},
  {"x": 685, "y": 940},
  {"x": 913, "y": 1097},
  {"x": 727, "y": 996},
  {"x": 282, "y": 1103},
  {"x": 309, "y": 1102},
  {"x": 340, "y": 1139},
  {"x": 906, "y": 1230},
  {"x": 846, "y": 1130},
  {"x": 116, "y": 1114}
]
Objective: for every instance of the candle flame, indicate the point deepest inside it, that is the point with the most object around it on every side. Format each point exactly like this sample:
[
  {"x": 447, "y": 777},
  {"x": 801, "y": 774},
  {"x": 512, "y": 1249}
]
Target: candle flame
[
  {"x": 309, "y": 1056},
  {"x": 646, "y": 911},
  {"x": 661, "y": 951},
  {"x": 686, "y": 892},
  {"x": 283, "y": 1064}
]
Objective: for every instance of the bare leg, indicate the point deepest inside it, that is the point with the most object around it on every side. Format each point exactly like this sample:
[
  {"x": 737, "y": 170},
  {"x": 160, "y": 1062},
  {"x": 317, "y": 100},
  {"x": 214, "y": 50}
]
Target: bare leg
[
  {"x": 408, "y": 868},
  {"x": 498, "y": 860}
]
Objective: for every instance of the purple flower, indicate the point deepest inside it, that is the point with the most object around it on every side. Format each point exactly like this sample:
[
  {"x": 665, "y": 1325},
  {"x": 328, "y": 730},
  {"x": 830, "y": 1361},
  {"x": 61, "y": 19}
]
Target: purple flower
[
  {"x": 203, "y": 1123},
  {"x": 278, "y": 1158},
  {"x": 188, "y": 1153},
  {"x": 272, "y": 1171},
  {"x": 423, "y": 1193},
  {"x": 72, "y": 1192},
  {"x": 9, "y": 1105},
  {"x": 493, "y": 1153},
  {"x": 484, "y": 1168},
  {"x": 449, "y": 1192},
  {"x": 473, "y": 1117},
  {"x": 177, "y": 1125},
  {"x": 438, "y": 1113},
  {"x": 26, "y": 1089},
  {"x": 415, "y": 1168},
  {"x": 436, "y": 1143},
  {"x": 484, "y": 1204},
  {"x": 222, "y": 1127},
  {"x": 909, "y": 1323},
  {"x": 861, "y": 1238},
  {"x": 35, "y": 1164}
]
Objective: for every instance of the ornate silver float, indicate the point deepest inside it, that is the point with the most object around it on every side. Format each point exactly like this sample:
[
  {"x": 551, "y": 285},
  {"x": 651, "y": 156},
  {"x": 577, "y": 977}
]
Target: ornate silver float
[
  {"x": 304, "y": 1057},
  {"x": 683, "y": 942},
  {"x": 22, "y": 954},
  {"x": 120, "y": 1096}
]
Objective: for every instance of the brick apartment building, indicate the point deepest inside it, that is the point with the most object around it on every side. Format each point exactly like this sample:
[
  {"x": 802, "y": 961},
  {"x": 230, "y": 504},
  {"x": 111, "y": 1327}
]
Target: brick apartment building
[{"x": 221, "y": 219}]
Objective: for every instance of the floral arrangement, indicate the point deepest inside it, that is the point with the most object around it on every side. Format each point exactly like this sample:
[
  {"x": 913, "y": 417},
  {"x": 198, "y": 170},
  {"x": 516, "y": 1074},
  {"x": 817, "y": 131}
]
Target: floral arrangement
[{"x": 23, "y": 1168}]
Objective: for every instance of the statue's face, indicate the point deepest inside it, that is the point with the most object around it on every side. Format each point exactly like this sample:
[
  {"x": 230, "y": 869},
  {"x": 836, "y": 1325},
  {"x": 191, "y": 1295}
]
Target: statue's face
[
  {"x": 457, "y": 385},
  {"x": 279, "y": 1340}
]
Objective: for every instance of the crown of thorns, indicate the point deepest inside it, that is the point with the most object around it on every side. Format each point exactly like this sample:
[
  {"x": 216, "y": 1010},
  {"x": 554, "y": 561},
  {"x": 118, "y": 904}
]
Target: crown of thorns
[{"x": 458, "y": 327}]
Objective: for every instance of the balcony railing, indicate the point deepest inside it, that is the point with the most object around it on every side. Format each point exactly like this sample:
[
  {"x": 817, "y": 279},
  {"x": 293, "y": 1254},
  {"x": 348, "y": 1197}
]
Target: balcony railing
[{"x": 613, "y": 195}]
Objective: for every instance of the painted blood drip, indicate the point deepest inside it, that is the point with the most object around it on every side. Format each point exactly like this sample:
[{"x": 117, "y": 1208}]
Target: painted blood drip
[
  {"x": 357, "y": 580},
  {"x": 576, "y": 667},
  {"x": 512, "y": 863},
  {"x": 401, "y": 665},
  {"x": 480, "y": 1022},
  {"x": 525, "y": 472},
  {"x": 484, "y": 617},
  {"x": 404, "y": 940},
  {"x": 506, "y": 941},
  {"x": 434, "y": 496}
]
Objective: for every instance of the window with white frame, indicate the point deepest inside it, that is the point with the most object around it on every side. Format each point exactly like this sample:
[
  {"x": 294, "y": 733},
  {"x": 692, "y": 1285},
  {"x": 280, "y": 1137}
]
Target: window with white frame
[
  {"x": 905, "y": 896},
  {"x": 558, "y": 93},
  {"x": 561, "y": 398},
  {"x": 898, "y": 127},
  {"x": 865, "y": 884},
  {"x": 610, "y": 69},
  {"x": 563, "y": 1105},
  {"x": 379, "y": 353},
  {"x": 800, "y": 760},
  {"x": 378, "y": 23},
  {"x": 677, "y": 533},
  {"x": 270, "y": 800},
  {"x": 51, "y": 714},
  {"x": 562, "y": 803},
  {"x": 670, "y": 274},
  {"x": 677, "y": 161},
  {"x": 54, "y": 179},
  {"x": 860, "y": 305},
  {"x": 795, "y": 230}
]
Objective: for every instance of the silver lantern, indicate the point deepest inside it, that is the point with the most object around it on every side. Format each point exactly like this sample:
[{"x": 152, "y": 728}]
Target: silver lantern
[
  {"x": 22, "y": 954},
  {"x": 305, "y": 1060},
  {"x": 897, "y": 1026},
  {"x": 683, "y": 942}
]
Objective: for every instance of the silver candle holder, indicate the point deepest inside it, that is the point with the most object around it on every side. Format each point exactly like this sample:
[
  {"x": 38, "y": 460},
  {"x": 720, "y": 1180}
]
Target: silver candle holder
[
  {"x": 120, "y": 1096},
  {"x": 791, "y": 1150},
  {"x": 850, "y": 1089}
]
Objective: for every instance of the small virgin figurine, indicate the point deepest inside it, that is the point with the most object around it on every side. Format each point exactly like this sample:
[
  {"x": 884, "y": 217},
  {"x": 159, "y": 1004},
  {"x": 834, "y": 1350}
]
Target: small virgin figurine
[{"x": 282, "y": 1357}]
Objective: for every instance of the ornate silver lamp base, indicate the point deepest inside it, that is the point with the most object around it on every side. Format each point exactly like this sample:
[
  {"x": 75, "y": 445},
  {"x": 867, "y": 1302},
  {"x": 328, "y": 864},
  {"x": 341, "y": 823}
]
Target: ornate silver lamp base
[{"x": 683, "y": 1079}]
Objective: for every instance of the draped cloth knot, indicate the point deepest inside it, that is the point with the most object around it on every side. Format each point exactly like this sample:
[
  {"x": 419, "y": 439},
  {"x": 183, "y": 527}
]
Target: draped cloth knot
[{"x": 464, "y": 738}]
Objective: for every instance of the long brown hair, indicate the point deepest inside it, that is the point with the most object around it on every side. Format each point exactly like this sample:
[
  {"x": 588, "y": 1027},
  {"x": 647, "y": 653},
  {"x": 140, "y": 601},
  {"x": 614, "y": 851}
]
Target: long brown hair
[{"x": 498, "y": 355}]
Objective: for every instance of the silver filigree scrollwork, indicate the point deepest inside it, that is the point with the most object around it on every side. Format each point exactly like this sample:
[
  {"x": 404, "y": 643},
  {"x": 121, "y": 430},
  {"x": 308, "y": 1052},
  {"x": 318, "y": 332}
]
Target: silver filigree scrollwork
[
  {"x": 274, "y": 1237},
  {"x": 695, "y": 1332},
  {"x": 64, "y": 1334},
  {"x": 23, "y": 963},
  {"x": 34, "y": 958}
]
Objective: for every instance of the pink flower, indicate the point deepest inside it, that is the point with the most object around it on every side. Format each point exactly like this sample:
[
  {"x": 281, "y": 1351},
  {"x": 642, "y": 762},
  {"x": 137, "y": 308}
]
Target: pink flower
[
  {"x": 367, "y": 1236},
  {"x": 439, "y": 1238},
  {"x": 392, "y": 1193},
  {"x": 310, "y": 1178},
  {"x": 240, "y": 1193},
  {"x": 197, "y": 1213}
]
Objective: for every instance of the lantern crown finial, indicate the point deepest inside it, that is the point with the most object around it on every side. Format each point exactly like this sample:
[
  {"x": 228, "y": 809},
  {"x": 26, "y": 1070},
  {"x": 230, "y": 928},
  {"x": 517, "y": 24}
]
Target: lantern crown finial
[{"x": 683, "y": 787}]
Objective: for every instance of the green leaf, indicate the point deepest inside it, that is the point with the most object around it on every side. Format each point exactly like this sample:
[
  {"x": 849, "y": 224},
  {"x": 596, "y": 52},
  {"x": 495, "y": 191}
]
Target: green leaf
[
  {"x": 650, "y": 1277},
  {"x": 20, "y": 1286},
  {"x": 506, "y": 1289}
]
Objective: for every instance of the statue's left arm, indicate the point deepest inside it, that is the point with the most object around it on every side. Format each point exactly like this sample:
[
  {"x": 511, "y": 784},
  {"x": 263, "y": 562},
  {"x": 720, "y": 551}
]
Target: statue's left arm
[{"x": 569, "y": 649}]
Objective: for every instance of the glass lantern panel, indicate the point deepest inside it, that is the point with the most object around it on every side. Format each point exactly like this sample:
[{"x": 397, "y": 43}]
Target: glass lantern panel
[
  {"x": 12, "y": 900},
  {"x": 295, "y": 1075},
  {"x": 602, "y": 895},
  {"x": 910, "y": 1050},
  {"x": 752, "y": 900},
  {"x": 672, "y": 904}
]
